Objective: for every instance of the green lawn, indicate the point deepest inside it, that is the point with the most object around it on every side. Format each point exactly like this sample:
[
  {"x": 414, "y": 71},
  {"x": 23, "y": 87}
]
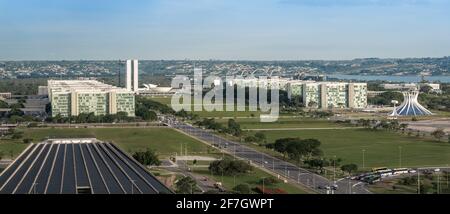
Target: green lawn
[
  {"x": 8, "y": 149},
  {"x": 164, "y": 141},
  {"x": 254, "y": 123},
  {"x": 381, "y": 148},
  {"x": 251, "y": 178},
  {"x": 429, "y": 185}
]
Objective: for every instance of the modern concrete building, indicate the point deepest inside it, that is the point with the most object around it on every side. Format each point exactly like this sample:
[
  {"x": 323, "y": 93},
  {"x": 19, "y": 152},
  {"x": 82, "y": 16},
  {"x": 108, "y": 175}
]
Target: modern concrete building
[
  {"x": 73, "y": 97},
  {"x": 42, "y": 90},
  {"x": 320, "y": 95},
  {"x": 132, "y": 75},
  {"x": 77, "y": 166},
  {"x": 411, "y": 106},
  {"x": 329, "y": 95}
]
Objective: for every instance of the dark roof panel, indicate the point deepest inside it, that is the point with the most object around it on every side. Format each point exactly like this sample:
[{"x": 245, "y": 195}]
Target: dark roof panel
[{"x": 74, "y": 166}]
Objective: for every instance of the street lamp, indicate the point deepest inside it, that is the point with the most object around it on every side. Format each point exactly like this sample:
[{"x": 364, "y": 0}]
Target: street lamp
[
  {"x": 334, "y": 171},
  {"x": 364, "y": 159},
  {"x": 263, "y": 187},
  {"x": 400, "y": 156}
]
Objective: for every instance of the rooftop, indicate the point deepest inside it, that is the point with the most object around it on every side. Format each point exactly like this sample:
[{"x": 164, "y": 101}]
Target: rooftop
[
  {"x": 77, "y": 166},
  {"x": 67, "y": 86}
]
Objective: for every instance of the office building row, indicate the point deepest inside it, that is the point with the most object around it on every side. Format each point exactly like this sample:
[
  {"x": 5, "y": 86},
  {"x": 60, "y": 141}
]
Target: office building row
[
  {"x": 73, "y": 97},
  {"x": 318, "y": 95},
  {"x": 330, "y": 95}
]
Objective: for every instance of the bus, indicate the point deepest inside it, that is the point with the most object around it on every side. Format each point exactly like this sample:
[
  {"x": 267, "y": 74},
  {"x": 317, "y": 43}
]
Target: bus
[{"x": 379, "y": 169}]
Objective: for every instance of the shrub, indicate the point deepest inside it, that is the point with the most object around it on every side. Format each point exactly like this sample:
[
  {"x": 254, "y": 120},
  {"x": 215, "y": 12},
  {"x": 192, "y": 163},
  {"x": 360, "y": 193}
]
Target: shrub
[
  {"x": 242, "y": 189},
  {"x": 229, "y": 167}
]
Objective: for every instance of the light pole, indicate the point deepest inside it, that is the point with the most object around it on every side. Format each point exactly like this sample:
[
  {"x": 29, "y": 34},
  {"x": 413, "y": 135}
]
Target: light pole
[
  {"x": 262, "y": 160},
  {"x": 334, "y": 171},
  {"x": 263, "y": 185},
  {"x": 438, "y": 184},
  {"x": 364, "y": 159},
  {"x": 400, "y": 156},
  {"x": 418, "y": 181}
]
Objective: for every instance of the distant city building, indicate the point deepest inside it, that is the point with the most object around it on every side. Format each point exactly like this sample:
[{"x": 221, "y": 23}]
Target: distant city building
[
  {"x": 320, "y": 95},
  {"x": 132, "y": 75},
  {"x": 435, "y": 87},
  {"x": 330, "y": 95},
  {"x": 73, "y": 97},
  {"x": 155, "y": 90}
]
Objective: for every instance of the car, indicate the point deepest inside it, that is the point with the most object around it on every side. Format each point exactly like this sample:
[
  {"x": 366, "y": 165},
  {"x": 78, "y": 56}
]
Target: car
[
  {"x": 334, "y": 187},
  {"x": 322, "y": 187}
]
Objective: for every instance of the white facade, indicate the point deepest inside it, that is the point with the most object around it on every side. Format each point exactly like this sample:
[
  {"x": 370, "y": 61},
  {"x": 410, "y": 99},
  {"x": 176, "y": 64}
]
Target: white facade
[{"x": 132, "y": 75}]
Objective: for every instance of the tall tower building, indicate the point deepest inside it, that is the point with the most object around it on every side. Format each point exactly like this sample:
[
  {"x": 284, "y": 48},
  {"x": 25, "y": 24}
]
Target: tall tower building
[{"x": 132, "y": 75}]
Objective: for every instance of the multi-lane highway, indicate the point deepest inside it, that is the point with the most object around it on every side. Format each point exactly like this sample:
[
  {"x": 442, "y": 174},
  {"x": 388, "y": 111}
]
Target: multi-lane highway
[{"x": 283, "y": 169}]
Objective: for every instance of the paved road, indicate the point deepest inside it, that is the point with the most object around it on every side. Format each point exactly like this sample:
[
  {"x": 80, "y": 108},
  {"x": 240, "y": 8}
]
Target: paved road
[{"x": 282, "y": 168}]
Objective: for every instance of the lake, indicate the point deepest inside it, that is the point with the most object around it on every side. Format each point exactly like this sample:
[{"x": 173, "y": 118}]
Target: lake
[{"x": 443, "y": 79}]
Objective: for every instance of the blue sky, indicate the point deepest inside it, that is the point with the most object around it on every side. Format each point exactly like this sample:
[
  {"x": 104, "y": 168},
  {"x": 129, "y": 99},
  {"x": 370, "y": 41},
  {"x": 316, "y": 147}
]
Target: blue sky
[{"x": 223, "y": 29}]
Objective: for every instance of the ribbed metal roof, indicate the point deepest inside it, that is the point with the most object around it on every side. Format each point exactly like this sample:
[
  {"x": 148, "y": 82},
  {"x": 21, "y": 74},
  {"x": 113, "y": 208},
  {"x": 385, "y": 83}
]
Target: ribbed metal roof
[{"x": 75, "y": 167}]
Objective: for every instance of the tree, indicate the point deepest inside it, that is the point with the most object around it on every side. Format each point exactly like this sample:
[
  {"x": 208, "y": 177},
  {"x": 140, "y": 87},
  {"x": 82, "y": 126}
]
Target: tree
[
  {"x": 3, "y": 104},
  {"x": 186, "y": 185},
  {"x": 268, "y": 181},
  {"x": 297, "y": 148},
  {"x": 315, "y": 163},
  {"x": 146, "y": 114},
  {"x": 438, "y": 134},
  {"x": 250, "y": 139},
  {"x": 349, "y": 168},
  {"x": 386, "y": 98},
  {"x": 403, "y": 126},
  {"x": 229, "y": 167},
  {"x": 27, "y": 140},
  {"x": 426, "y": 89},
  {"x": 16, "y": 135},
  {"x": 260, "y": 136},
  {"x": 147, "y": 158},
  {"x": 234, "y": 128},
  {"x": 242, "y": 189}
]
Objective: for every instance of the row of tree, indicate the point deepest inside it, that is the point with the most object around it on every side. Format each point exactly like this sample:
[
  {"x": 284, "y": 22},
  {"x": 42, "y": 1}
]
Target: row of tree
[
  {"x": 232, "y": 128},
  {"x": 296, "y": 148}
]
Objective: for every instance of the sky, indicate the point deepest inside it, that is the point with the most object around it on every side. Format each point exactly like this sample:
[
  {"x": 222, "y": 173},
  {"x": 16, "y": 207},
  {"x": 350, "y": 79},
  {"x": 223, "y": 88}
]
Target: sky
[{"x": 223, "y": 29}]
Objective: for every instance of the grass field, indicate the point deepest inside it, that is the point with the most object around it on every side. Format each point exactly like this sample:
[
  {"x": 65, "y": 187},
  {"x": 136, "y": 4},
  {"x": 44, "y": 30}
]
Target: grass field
[
  {"x": 8, "y": 149},
  {"x": 251, "y": 178},
  {"x": 254, "y": 123},
  {"x": 164, "y": 141},
  {"x": 381, "y": 148},
  {"x": 429, "y": 185}
]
